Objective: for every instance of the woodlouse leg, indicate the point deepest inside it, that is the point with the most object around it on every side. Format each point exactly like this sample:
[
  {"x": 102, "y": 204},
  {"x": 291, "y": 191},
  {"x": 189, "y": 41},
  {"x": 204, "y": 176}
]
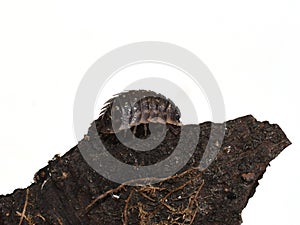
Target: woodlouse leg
[
  {"x": 145, "y": 129},
  {"x": 125, "y": 133},
  {"x": 173, "y": 130},
  {"x": 134, "y": 130}
]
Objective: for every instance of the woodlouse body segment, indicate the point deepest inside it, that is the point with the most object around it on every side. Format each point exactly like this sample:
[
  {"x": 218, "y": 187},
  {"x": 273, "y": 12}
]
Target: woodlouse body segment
[{"x": 134, "y": 107}]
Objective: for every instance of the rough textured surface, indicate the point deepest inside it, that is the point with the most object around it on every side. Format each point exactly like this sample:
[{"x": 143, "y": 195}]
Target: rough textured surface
[{"x": 68, "y": 191}]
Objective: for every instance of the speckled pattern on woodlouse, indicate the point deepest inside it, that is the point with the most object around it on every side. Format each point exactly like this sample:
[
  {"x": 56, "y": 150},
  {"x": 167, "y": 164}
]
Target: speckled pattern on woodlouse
[{"x": 134, "y": 107}]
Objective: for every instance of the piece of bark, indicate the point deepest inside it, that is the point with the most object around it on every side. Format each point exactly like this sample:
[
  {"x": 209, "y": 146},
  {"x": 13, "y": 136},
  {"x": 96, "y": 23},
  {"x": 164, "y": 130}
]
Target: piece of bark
[{"x": 68, "y": 191}]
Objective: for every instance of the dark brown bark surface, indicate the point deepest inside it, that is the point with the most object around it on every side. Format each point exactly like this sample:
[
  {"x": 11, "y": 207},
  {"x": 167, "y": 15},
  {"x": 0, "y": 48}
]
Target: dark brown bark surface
[{"x": 68, "y": 191}]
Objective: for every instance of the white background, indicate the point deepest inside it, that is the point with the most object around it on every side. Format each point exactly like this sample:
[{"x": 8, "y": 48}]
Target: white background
[{"x": 251, "y": 47}]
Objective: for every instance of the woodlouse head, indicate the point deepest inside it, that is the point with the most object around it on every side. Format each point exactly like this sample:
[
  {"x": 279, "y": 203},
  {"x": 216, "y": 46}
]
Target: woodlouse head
[{"x": 135, "y": 107}]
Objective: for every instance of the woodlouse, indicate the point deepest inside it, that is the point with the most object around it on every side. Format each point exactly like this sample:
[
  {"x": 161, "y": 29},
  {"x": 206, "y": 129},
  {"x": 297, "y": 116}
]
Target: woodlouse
[{"x": 134, "y": 107}]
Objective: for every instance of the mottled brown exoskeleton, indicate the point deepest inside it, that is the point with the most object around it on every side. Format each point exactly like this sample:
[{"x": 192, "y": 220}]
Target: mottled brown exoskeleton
[{"x": 134, "y": 107}]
